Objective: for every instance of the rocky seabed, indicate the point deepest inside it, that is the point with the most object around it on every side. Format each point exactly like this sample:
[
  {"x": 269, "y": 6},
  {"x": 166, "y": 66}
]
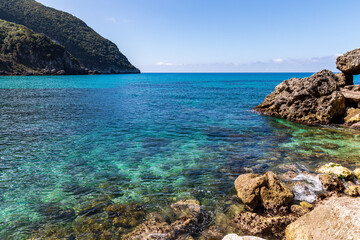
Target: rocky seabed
[{"x": 296, "y": 204}]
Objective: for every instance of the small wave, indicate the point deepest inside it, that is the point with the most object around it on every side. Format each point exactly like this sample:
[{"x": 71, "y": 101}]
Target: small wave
[{"x": 306, "y": 187}]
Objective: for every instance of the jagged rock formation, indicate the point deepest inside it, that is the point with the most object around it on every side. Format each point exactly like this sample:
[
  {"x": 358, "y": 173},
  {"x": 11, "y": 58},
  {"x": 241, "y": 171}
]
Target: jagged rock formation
[
  {"x": 92, "y": 50},
  {"x": 323, "y": 98},
  {"x": 308, "y": 100},
  {"x": 349, "y": 63},
  {"x": 24, "y": 52}
]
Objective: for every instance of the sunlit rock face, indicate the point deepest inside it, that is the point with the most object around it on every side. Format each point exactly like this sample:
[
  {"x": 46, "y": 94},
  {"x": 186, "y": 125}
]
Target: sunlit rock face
[
  {"x": 313, "y": 100},
  {"x": 349, "y": 63},
  {"x": 341, "y": 215}
]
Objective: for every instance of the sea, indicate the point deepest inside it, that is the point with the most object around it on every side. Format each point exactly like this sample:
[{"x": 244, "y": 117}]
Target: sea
[{"x": 150, "y": 139}]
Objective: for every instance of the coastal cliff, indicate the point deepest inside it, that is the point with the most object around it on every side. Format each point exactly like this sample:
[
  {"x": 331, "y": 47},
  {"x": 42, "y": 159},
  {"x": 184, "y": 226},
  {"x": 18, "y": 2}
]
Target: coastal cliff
[
  {"x": 323, "y": 98},
  {"x": 95, "y": 53}
]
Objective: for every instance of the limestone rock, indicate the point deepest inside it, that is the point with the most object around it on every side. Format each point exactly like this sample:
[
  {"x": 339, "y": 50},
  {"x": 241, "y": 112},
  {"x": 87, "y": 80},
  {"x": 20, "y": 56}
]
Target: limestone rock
[
  {"x": 306, "y": 205},
  {"x": 351, "y": 94},
  {"x": 357, "y": 173},
  {"x": 314, "y": 100},
  {"x": 298, "y": 210},
  {"x": 330, "y": 183},
  {"x": 265, "y": 191},
  {"x": 336, "y": 170},
  {"x": 337, "y": 218},
  {"x": 356, "y": 125},
  {"x": 256, "y": 224},
  {"x": 236, "y": 237},
  {"x": 344, "y": 79},
  {"x": 352, "y": 115},
  {"x": 352, "y": 191},
  {"x": 349, "y": 63},
  {"x": 153, "y": 228}
]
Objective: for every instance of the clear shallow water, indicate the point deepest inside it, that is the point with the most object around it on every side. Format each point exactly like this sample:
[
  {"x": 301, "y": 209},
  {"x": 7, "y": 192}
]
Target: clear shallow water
[{"x": 149, "y": 138}]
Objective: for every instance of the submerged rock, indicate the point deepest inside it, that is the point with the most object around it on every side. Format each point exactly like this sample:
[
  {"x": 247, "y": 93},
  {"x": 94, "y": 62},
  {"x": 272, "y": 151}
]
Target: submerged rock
[
  {"x": 337, "y": 218},
  {"x": 263, "y": 191},
  {"x": 125, "y": 215},
  {"x": 349, "y": 63},
  {"x": 314, "y": 100},
  {"x": 186, "y": 207},
  {"x": 153, "y": 228},
  {"x": 336, "y": 170},
  {"x": 92, "y": 227}
]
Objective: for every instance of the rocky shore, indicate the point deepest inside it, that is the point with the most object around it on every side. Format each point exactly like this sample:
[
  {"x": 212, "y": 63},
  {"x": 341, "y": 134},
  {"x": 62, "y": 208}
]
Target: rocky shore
[
  {"x": 267, "y": 206},
  {"x": 323, "y": 98}
]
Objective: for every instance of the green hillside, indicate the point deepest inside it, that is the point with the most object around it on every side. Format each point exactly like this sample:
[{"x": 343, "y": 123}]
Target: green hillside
[
  {"x": 24, "y": 52},
  {"x": 92, "y": 50}
]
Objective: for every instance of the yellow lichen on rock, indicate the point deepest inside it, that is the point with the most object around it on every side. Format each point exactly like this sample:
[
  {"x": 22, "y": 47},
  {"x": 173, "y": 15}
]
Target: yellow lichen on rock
[
  {"x": 336, "y": 170},
  {"x": 352, "y": 115}
]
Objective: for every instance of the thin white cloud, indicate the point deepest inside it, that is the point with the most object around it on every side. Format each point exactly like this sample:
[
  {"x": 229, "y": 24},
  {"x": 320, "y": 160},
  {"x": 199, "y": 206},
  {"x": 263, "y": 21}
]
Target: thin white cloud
[
  {"x": 165, "y": 64},
  {"x": 111, "y": 19},
  {"x": 278, "y": 60},
  {"x": 274, "y": 65}
]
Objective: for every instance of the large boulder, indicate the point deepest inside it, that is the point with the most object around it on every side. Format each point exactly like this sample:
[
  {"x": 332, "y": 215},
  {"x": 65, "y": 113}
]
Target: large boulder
[
  {"x": 349, "y": 63},
  {"x": 313, "y": 100},
  {"x": 263, "y": 191},
  {"x": 337, "y": 218}
]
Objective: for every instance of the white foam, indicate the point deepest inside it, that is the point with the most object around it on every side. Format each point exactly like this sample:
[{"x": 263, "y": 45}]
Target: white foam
[{"x": 308, "y": 189}]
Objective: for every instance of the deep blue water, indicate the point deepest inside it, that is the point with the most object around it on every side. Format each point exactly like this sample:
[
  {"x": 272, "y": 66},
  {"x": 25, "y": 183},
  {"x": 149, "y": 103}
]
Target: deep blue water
[{"x": 149, "y": 138}]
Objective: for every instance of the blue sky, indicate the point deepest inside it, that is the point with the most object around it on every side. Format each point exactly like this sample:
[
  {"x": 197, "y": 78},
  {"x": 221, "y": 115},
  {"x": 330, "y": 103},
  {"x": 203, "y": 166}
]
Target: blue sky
[{"x": 224, "y": 35}]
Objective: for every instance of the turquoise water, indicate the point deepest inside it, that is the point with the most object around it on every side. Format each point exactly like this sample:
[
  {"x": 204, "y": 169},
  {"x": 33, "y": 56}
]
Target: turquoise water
[{"x": 149, "y": 138}]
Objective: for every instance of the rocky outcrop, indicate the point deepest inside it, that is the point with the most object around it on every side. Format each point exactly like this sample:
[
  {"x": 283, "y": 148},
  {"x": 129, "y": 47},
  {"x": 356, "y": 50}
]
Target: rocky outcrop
[
  {"x": 336, "y": 170},
  {"x": 315, "y": 99},
  {"x": 323, "y": 98},
  {"x": 337, "y": 218},
  {"x": 263, "y": 191},
  {"x": 349, "y": 63}
]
